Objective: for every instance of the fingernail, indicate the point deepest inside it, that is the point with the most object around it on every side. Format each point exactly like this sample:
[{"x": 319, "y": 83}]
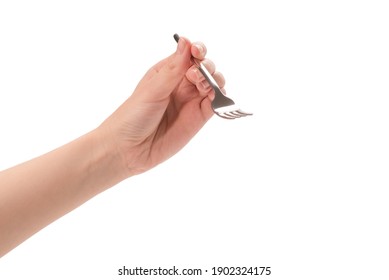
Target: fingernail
[
  {"x": 205, "y": 84},
  {"x": 181, "y": 46},
  {"x": 200, "y": 48},
  {"x": 198, "y": 73}
]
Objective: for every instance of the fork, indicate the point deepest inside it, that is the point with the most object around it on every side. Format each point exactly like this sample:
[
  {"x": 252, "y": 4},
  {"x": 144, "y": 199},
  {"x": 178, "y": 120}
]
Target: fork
[{"x": 222, "y": 106}]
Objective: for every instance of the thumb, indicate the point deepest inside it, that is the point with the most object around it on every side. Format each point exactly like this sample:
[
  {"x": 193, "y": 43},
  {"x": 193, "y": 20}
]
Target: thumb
[{"x": 162, "y": 78}]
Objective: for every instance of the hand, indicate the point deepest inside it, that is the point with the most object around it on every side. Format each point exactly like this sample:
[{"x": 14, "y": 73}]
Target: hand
[{"x": 168, "y": 107}]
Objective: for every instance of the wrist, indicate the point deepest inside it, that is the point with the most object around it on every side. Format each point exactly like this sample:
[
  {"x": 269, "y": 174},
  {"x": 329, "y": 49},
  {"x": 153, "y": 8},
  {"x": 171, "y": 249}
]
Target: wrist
[{"x": 106, "y": 161}]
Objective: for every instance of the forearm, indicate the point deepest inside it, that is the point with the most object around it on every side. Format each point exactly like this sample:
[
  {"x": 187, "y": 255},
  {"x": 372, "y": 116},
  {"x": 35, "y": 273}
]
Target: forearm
[{"x": 37, "y": 192}]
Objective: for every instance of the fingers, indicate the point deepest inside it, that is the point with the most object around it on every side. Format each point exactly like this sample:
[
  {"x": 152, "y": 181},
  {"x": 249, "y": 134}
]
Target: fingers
[
  {"x": 195, "y": 77},
  {"x": 162, "y": 78},
  {"x": 211, "y": 67},
  {"x": 198, "y": 50},
  {"x": 204, "y": 87}
]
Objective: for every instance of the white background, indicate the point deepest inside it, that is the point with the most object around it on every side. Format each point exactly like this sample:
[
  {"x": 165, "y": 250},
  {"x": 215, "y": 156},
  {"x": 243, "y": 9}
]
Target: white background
[{"x": 301, "y": 186}]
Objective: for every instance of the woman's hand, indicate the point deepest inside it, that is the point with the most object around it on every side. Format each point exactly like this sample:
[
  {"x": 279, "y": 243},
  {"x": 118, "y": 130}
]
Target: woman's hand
[{"x": 168, "y": 107}]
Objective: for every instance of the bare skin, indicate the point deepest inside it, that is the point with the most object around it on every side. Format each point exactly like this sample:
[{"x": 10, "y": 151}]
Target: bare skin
[{"x": 168, "y": 107}]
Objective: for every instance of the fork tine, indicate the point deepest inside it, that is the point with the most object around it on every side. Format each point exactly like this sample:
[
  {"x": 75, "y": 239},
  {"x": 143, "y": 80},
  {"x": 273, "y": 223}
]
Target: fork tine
[
  {"x": 237, "y": 113},
  {"x": 232, "y": 114},
  {"x": 244, "y": 113},
  {"x": 225, "y": 116}
]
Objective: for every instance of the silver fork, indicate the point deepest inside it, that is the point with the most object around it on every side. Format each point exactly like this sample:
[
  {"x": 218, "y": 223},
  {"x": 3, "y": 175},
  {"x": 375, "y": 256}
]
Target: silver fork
[{"x": 222, "y": 106}]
